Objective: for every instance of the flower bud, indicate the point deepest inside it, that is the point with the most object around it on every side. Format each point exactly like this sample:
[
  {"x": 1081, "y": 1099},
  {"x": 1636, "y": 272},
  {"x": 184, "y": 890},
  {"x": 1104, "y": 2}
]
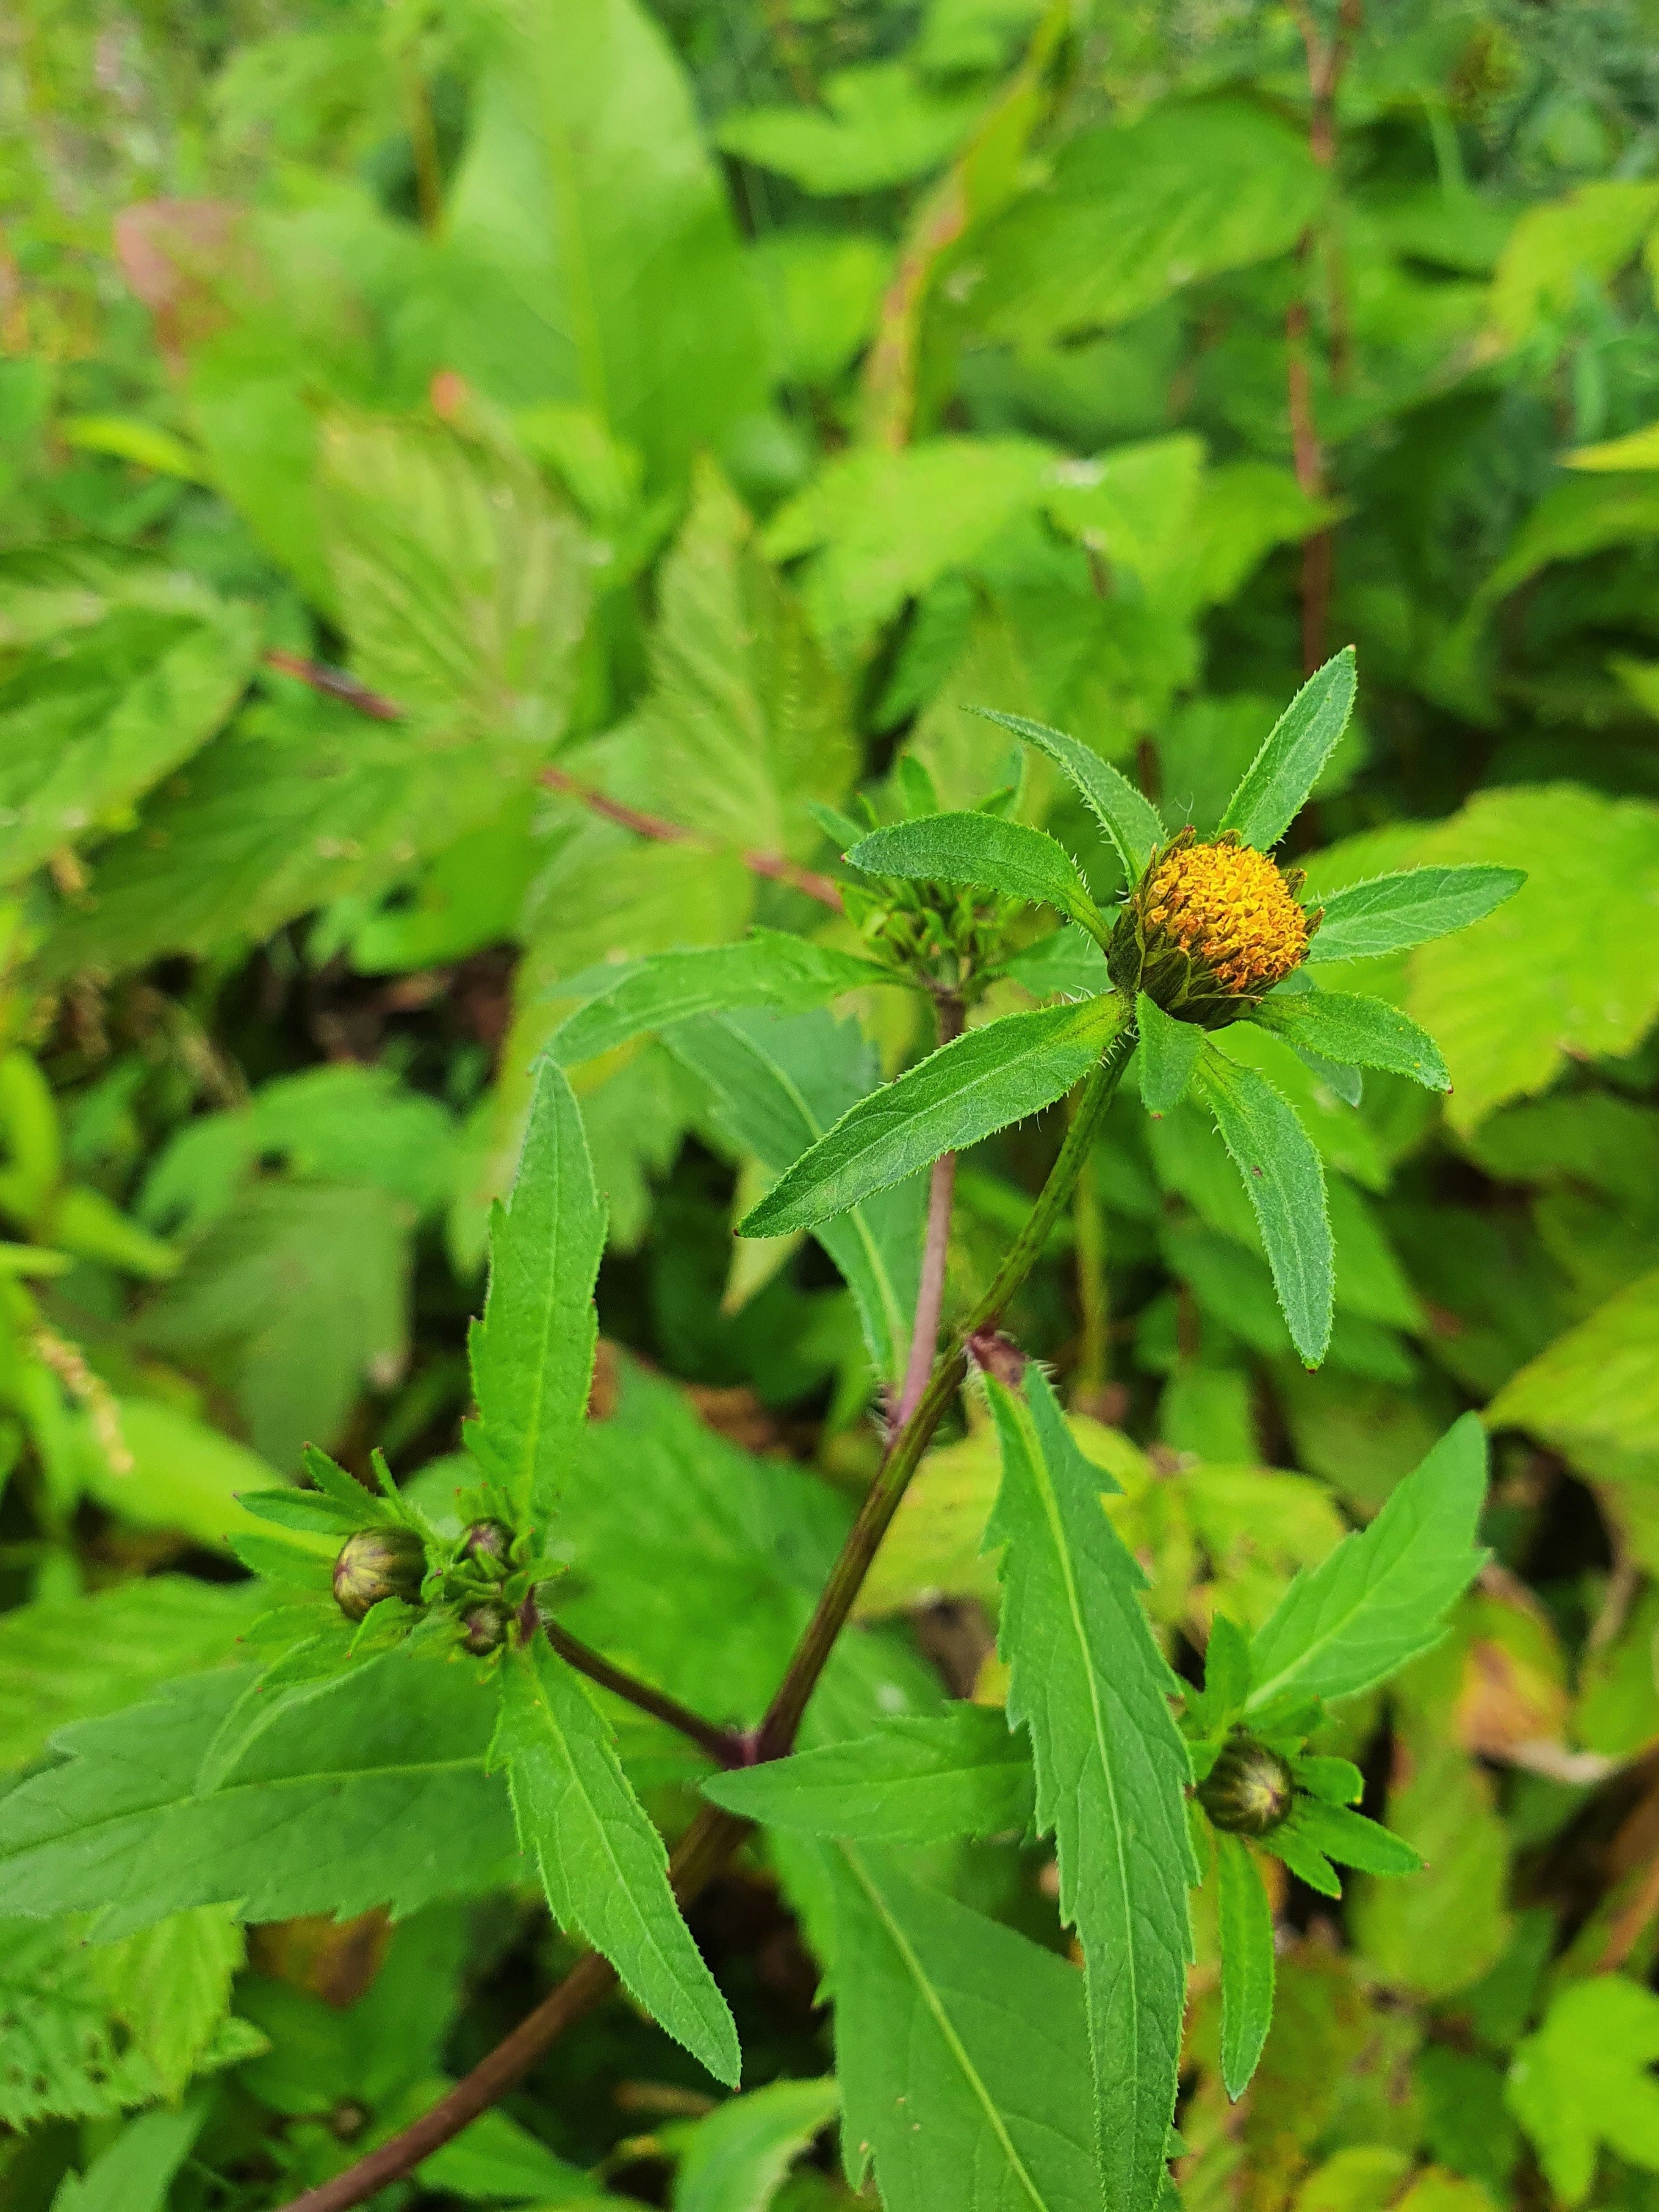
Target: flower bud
[
  {"x": 484, "y": 1628},
  {"x": 1209, "y": 930},
  {"x": 1249, "y": 1790},
  {"x": 376, "y": 1563},
  {"x": 487, "y": 1539}
]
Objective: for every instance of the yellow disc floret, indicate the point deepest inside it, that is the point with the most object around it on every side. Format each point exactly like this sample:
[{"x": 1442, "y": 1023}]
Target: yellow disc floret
[{"x": 1229, "y": 908}]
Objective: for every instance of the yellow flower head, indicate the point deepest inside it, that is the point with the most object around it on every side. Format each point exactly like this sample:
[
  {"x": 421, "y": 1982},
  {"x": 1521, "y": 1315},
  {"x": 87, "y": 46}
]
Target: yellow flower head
[
  {"x": 1230, "y": 908},
  {"x": 1210, "y": 929}
]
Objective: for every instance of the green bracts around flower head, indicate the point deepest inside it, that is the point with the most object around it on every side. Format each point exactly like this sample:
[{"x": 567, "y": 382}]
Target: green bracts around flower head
[
  {"x": 376, "y": 1563},
  {"x": 1209, "y": 929}
]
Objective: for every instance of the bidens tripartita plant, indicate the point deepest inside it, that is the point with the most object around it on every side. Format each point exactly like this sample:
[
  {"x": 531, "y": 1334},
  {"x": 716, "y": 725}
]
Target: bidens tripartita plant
[{"x": 341, "y": 1767}]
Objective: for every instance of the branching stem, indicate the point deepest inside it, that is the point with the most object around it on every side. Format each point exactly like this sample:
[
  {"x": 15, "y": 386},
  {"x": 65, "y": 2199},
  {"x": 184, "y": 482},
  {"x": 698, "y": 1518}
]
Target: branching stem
[
  {"x": 724, "y": 1745},
  {"x": 708, "y": 1843}
]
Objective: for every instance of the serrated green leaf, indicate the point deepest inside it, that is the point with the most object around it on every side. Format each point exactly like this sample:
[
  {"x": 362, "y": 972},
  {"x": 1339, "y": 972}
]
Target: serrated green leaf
[
  {"x": 1091, "y": 1684},
  {"x": 304, "y": 1288},
  {"x": 778, "y": 1085},
  {"x": 785, "y": 974},
  {"x": 1279, "y": 778},
  {"x": 1247, "y": 1961},
  {"x": 1131, "y": 821},
  {"x": 88, "y": 722},
  {"x": 532, "y": 1352},
  {"x": 1355, "y": 1032},
  {"x": 967, "y": 1090},
  {"x": 1170, "y": 1054},
  {"x": 1389, "y": 913},
  {"x": 372, "y": 1792},
  {"x": 1583, "y": 2079},
  {"x": 1562, "y": 970},
  {"x": 1382, "y": 1596},
  {"x": 1352, "y": 1840},
  {"x": 602, "y": 1863},
  {"x": 171, "y": 1985},
  {"x": 1593, "y": 1395},
  {"x": 132, "y": 2173},
  {"x": 736, "y": 2158},
  {"x": 987, "y": 852},
  {"x": 1281, "y": 1172},
  {"x": 913, "y": 1782},
  {"x": 962, "y": 2050},
  {"x": 73, "y": 1659}
]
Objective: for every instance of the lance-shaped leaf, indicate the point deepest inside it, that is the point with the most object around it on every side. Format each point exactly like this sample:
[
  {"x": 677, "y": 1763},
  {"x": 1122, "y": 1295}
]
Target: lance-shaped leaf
[
  {"x": 970, "y": 1089},
  {"x": 1354, "y": 1032},
  {"x": 778, "y": 1083},
  {"x": 1089, "y": 1682},
  {"x": 1391, "y": 913},
  {"x": 915, "y": 1781},
  {"x": 1383, "y": 1594},
  {"x": 1279, "y": 778},
  {"x": 1282, "y": 1173},
  {"x": 736, "y": 2158},
  {"x": 770, "y": 969},
  {"x": 532, "y": 1353},
  {"x": 602, "y": 1863},
  {"x": 1169, "y": 1055},
  {"x": 1351, "y": 1839},
  {"x": 962, "y": 2052},
  {"x": 1131, "y": 821},
  {"x": 990, "y": 853},
  {"x": 1246, "y": 1927}
]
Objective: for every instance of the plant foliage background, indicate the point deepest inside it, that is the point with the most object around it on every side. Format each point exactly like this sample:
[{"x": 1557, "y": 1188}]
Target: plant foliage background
[{"x": 477, "y": 482}]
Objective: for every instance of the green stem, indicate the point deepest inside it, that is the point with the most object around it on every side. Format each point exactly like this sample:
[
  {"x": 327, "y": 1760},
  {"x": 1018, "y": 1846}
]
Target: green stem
[
  {"x": 1094, "y": 1347},
  {"x": 776, "y": 1734},
  {"x": 708, "y": 1843}
]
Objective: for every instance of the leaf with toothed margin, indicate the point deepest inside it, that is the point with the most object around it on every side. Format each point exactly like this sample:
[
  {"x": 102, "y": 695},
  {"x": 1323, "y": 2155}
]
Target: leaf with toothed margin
[
  {"x": 532, "y": 1353},
  {"x": 602, "y": 1863},
  {"x": 1390, "y": 913},
  {"x": 1281, "y": 1172},
  {"x": 1278, "y": 781},
  {"x": 1131, "y": 821},
  {"x": 1089, "y": 1682},
  {"x": 987, "y": 853},
  {"x": 967, "y": 1090},
  {"x": 1169, "y": 1055},
  {"x": 1246, "y": 1927}
]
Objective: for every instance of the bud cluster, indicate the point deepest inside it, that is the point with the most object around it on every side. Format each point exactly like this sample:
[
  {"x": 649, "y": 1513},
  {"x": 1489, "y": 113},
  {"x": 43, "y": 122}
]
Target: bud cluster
[
  {"x": 944, "y": 935},
  {"x": 482, "y": 1584}
]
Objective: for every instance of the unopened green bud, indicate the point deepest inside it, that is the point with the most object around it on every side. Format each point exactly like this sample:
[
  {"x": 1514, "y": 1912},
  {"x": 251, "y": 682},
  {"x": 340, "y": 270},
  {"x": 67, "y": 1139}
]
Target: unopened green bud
[
  {"x": 487, "y": 1539},
  {"x": 484, "y": 1628},
  {"x": 376, "y": 1563},
  {"x": 1249, "y": 1790}
]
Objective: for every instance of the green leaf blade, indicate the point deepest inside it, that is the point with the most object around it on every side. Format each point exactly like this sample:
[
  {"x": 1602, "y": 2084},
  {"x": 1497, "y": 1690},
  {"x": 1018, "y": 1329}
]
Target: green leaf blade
[
  {"x": 1170, "y": 1054},
  {"x": 1247, "y": 1961},
  {"x": 1302, "y": 740},
  {"x": 602, "y": 1863},
  {"x": 987, "y": 852},
  {"x": 1285, "y": 1181},
  {"x": 1133, "y": 823},
  {"x": 970, "y": 1089},
  {"x": 532, "y": 1353},
  {"x": 1380, "y": 1596},
  {"x": 916, "y": 1781},
  {"x": 1089, "y": 1683},
  {"x": 1390, "y": 913},
  {"x": 1356, "y": 1032},
  {"x": 739, "y": 2155},
  {"x": 962, "y": 2050},
  {"x": 785, "y": 974}
]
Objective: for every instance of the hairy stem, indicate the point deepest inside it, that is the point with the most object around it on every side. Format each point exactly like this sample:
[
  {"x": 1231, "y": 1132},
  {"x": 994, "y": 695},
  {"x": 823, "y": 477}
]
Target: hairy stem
[
  {"x": 724, "y": 1745},
  {"x": 708, "y": 1843}
]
